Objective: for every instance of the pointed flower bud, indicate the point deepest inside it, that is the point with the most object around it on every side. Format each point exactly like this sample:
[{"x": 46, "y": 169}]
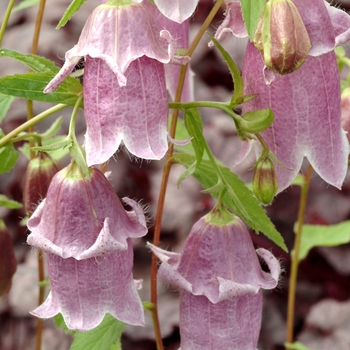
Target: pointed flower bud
[
  {"x": 220, "y": 281},
  {"x": 86, "y": 233},
  {"x": 39, "y": 174},
  {"x": 264, "y": 181},
  {"x": 281, "y": 37}
]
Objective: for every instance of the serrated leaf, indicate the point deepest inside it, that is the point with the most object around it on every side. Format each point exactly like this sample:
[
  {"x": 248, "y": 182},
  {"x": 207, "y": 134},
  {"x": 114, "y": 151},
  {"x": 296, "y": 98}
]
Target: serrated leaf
[
  {"x": 238, "y": 198},
  {"x": 35, "y": 63},
  {"x": 105, "y": 335},
  {"x": 296, "y": 346},
  {"x": 31, "y": 85},
  {"x": 5, "y": 103},
  {"x": 25, "y": 4},
  {"x": 9, "y": 203},
  {"x": 251, "y": 11},
  {"x": 8, "y": 156},
  {"x": 235, "y": 74},
  {"x": 323, "y": 236},
  {"x": 71, "y": 10}
]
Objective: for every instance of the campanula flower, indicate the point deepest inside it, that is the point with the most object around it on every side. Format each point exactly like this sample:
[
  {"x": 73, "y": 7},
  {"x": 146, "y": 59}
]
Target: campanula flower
[
  {"x": 125, "y": 94},
  {"x": 86, "y": 234},
  {"x": 220, "y": 281},
  {"x": 306, "y": 103}
]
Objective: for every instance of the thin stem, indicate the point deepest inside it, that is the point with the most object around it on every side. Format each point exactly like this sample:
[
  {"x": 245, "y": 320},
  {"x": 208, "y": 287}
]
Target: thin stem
[
  {"x": 295, "y": 256},
  {"x": 166, "y": 172},
  {"x": 6, "y": 19},
  {"x": 7, "y": 138}
]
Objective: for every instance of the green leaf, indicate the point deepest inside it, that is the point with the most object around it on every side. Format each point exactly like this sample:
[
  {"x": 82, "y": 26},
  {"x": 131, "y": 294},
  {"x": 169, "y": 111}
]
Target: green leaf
[
  {"x": 35, "y": 63},
  {"x": 58, "y": 147},
  {"x": 235, "y": 74},
  {"x": 194, "y": 126},
  {"x": 8, "y": 156},
  {"x": 5, "y": 103},
  {"x": 31, "y": 85},
  {"x": 105, "y": 335},
  {"x": 9, "y": 203},
  {"x": 323, "y": 236},
  {"x": 251, "y": 11},
  {"x": 71, "y": 10},
  {"x": 296, "y": 346},
  {"x": 25, "y": 4},
  {"x": 238, "y": 198}
]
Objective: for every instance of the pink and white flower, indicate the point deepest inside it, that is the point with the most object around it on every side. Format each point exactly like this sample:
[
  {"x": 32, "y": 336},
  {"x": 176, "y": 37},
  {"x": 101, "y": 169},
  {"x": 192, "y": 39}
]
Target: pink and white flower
[
  {"x": 220, "y": 282},
  {"x": 86, "y": 235}
]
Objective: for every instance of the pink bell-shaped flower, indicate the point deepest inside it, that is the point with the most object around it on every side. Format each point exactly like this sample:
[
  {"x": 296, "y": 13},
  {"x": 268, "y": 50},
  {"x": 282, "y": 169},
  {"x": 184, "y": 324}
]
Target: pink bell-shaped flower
[
  {"x": 220, "y": 282},
  {"x": 86, "y": 233},
  {"x": 306, "y": 103},
  {"x": 125, "y": 94}
]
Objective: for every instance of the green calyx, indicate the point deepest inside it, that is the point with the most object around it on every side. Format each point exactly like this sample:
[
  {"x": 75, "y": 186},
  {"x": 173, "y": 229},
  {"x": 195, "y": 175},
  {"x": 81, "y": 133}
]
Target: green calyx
[
  {"x": 220, "y": 216},
  {"x": 75, "y": 172},
  {"x": 120, "y": 3}
]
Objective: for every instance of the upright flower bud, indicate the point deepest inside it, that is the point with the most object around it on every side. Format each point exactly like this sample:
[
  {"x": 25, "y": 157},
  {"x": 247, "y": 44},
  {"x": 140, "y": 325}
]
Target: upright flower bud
[
  {"x": 281, "y": 37},
  {"x": 40, "y": 171},
  {"x": 264, "y": 181}
]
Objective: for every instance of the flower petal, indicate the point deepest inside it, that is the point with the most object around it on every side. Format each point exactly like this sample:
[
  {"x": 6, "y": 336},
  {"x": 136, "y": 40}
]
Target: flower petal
[
  {"x": 306, "y": 105},
  {"x": 177, "y": 10},
  {"x": 136, "y": 113}
]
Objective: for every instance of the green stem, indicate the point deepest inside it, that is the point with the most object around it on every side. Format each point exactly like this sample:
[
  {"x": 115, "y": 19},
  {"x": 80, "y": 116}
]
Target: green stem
[
  {"x": 28, "y": 136},
  {"x": 71, "y": 132},
  {"x": 7, "y": 138},
  {"x": 225, "y": 106},
  {"x": 295, "y": 257},
  {"x": 6, "y": 19}
]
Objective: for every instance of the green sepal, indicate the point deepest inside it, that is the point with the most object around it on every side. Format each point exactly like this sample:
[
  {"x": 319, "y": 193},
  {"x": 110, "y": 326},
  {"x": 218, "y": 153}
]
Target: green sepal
[{"x": 256, "y": 121}]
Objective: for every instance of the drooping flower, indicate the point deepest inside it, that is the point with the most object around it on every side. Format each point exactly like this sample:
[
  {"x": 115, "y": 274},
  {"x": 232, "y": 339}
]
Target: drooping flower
[
  {"x": 86, "y": 233},
  {"x": 124, "y": 86},
  {"x": 220, "y": 282},
  {"x": 306, "y": 103}
]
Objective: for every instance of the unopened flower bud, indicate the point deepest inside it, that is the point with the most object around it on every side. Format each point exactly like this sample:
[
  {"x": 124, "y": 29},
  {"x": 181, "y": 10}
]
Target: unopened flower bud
[
  {"x": 264, "y": 181},
  {"x": 281, "y": 37},
  {"x": 40, "y": 171}
]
